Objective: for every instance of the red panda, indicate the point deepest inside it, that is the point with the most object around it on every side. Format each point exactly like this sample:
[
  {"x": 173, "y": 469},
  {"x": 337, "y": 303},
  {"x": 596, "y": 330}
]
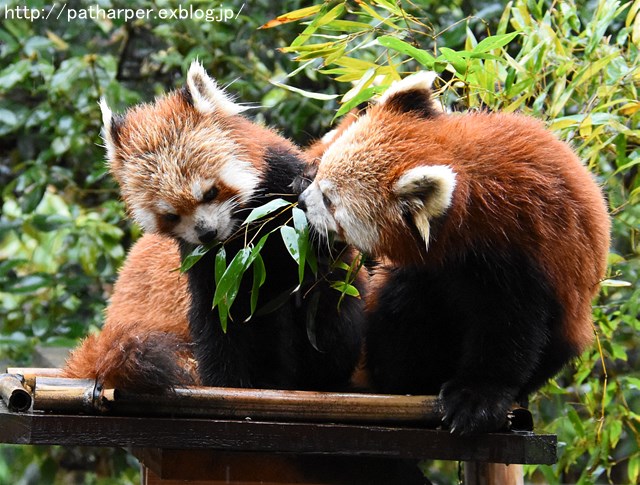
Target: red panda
[
  {"x": 144, "y": 344},
  {"x": 190, "y": 167},
  {"x": 497, "y": 238}
]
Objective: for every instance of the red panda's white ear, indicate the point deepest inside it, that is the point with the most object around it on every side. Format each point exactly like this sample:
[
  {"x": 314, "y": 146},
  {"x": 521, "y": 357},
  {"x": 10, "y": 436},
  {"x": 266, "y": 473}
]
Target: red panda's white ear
[
  {"x": 109, "y": 129},
  {"x": 428, "y": 191},
  {"x": 206, "y": 95},
  {"x": 411, "y": 95}
]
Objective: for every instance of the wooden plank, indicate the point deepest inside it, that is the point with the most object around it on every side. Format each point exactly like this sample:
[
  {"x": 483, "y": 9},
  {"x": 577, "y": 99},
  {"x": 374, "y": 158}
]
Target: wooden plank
[{"x": 259, "y": 436}]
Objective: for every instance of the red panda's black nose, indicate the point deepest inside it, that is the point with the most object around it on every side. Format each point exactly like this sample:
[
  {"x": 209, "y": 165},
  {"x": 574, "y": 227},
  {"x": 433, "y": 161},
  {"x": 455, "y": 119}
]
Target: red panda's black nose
[
  {"x": 207, "y": 236},
  {"x": 302, "y": 205}
]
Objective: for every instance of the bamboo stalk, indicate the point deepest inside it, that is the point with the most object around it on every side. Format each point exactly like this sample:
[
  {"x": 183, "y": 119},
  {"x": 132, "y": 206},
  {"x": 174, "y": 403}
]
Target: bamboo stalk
[
  {"x": 80, "y": 395},
  {"x": 14, "y": 394},
  {"x": 29, "y": 373},
  {"x": 65, "y": 395}
]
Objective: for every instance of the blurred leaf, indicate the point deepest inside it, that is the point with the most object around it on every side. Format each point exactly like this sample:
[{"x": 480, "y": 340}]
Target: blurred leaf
[
  {"x": 29, "y": 284},
  {"x": 494, "y": 42},
  {"x": 14, "y": 74},
  {"x": 292, "y": 16},
  {"x": 633, "y": 468},
  {"x": 306, "y": 94},
  {"x": 398, "y": 45}
]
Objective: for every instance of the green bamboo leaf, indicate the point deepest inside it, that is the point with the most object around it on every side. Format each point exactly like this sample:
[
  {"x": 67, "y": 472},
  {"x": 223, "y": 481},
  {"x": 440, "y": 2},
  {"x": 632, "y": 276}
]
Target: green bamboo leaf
[
  {"x": 290, "y": 239},
  {"x": 337, "y": 54},
  {"x": 495, "y": 42},
  {"x": 308, "y": 48},
  {"x": 312, "y": 312},
  {"x": 306, "y": 94},
  {"x": 345, "y": 288},
  {"x": 398, "y": 45},
  {"x": 349, "y": 26},
  {"x": 266, "y": 209},
  {"x": 333, "y": 52},
  {"x": 49, "y": 222},
  {"x": 259, "y": 277},
  {"x": 371, "y": 12},
  {"x": 299, "y": 220},
  {"x": 478, "y": 55},
  {"x": 297, "y": 245},
  {"x": 194, "y": 256},
  {"x": 220, "y": 264},
  {"x": 223, "y": 315},
  {"x": 633, "y": 468},
  {"x": 609, "y": 283},
  {"x": 390, "y": 7},
  {"x": 293, "y": 16},
  {"x": 319, "y": 21},
  {"x": 455, "y": 59},
  {"x": 364, "y": 95},
  {"x": 229, "y": 283},
  {"x": 29, "y": 284}
]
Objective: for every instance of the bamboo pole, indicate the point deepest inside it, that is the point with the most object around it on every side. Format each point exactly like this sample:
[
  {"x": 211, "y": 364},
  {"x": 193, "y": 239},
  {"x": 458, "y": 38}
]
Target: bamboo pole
[
  {"x": 56, "y": 394},
  {"x": 13, "y": 393},
  {"x": 29, "y": 373},
  {"x": 81, "y": 395}
]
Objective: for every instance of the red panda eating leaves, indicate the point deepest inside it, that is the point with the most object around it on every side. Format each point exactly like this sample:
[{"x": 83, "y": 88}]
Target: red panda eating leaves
[
  {"x": 496, "y": 237},
  {"x": 190, "y": 167}
]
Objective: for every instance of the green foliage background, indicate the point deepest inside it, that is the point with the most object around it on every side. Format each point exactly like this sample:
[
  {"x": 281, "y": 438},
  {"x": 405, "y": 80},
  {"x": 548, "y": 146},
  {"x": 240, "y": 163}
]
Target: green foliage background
[{"x": 63, "y": 231}]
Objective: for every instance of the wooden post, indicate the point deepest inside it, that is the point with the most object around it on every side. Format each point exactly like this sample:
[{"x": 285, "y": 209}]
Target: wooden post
[
  {"x": 476, "y": 473},
  {"x": 169, "y": 467}
]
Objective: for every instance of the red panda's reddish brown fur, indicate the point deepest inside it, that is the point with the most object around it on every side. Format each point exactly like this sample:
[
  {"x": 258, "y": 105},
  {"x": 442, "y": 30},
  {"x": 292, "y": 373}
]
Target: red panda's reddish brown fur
[
  {"x": 495, "y": 238},
  {"x": 149, "y": 308},
  {"x": 503, "y": 194},
  {"x": 147, "y": 311}
]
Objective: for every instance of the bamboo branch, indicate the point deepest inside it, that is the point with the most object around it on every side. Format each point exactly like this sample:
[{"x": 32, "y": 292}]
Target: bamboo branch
[
  {"x": 63, "y": 395},
  {"x": 80, "y": 395},
  {"x": 29, "y": 374},
  {"x": 13, "y": 393}
]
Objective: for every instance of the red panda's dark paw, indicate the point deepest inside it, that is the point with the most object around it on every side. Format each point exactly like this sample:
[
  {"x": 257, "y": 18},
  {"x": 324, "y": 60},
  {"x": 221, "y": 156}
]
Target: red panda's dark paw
[{"x": 471, "y": 408}]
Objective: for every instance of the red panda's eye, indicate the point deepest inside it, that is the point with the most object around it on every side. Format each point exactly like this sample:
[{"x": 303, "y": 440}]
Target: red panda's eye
[
  {"x": 210, "y": 195},
  {"x": 326, "y": 200},
  {"x": 172, "y": 218}
]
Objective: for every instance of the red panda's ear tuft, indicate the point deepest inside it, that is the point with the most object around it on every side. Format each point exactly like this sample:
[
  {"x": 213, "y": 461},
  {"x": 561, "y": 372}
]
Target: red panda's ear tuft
[
  {"x": 112, "y": 125},
  {"x": 411, "y": 95},
  {"x": 428, "y": 192},
  {"x": 205, "y": 94}
]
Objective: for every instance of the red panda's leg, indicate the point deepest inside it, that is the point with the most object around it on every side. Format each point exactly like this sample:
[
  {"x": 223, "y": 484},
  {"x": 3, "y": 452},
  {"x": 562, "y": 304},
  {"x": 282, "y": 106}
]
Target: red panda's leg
[
  {"x": 512, "y": 322},
  {"x": 412, "y": 341},
  {"x": 479, "y": 330}
]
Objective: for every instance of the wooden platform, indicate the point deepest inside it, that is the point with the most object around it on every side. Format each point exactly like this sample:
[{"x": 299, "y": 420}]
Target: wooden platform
[
  {"x": 204, "y": 435},
  {"x": 247, "y": 451},
  {"x": 255, "y": 436}
]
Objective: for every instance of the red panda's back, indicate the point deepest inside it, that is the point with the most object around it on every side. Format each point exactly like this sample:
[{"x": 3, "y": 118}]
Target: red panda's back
[{"x": 518, "y": 185}]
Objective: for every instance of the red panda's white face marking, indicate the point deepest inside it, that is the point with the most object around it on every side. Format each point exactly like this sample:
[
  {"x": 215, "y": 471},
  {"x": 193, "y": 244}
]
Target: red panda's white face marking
[
  {"x": 365, "y": 191},
  {"x": 180, "y": 171}
]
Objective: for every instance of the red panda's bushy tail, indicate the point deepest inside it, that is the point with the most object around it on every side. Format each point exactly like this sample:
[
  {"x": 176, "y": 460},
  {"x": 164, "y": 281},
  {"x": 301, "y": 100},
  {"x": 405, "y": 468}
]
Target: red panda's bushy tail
[{"x": 155, "y": 362}]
